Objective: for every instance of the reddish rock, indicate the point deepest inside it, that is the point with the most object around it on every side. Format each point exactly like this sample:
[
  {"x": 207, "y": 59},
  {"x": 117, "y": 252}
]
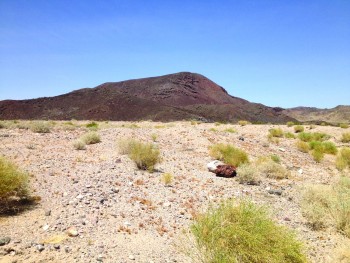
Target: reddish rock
[{"x": 225, "y": 171}]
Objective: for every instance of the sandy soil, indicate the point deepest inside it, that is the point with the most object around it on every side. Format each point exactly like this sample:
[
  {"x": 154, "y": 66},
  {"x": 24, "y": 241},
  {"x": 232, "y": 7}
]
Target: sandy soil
[{"x": 126, "y": 215}]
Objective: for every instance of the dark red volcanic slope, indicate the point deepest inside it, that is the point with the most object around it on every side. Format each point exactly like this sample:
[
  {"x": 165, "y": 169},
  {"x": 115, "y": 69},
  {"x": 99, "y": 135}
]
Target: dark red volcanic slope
[{"x": 171, "y": 97}]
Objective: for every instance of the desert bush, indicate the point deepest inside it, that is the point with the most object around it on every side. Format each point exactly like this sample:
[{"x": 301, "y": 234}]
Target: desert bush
[
  {"x": 244, "y": 232},
  {"x": 345, "y": 137},
  {"x": 272, "y": 139},
  {"x": 167, "y": 178},
  {"x": 344, "y": 125},
  {"x": 2, "y": 125},
  {"x": 154, "y": 137},
  {"x": 13, "y": 183},
  {"x": 79, "y": 145},
  {"x": 126, "y": 145},
  {"x": 289, "y": 135},
  {"x": 230, "y": 130},
  {"x": 271, "y": 169},
  {"x": 290, "y": 124},
  {"x": 91, "y": 138},
  {"x": 343, "y": 159},
  {"x": 329, "y": 148},
  {"x": 315, "y": 136},
  {"x": 93, "y": 126},
  {"x": 243, "y": 122},
  {"x": 317, "y": 155},
  {"x": 145, "y": 155},
  {"x": 302, "y": 146},
  {"x": 298, "y": 128},
  {"x": 275, "y": 158},
  {"x": 40, "y": 127},
  {"x": 276, "y": 132},
  {"x": 248, "y": 174},
  {"x": 228, "y": 154},
  {"x": 213, "y": 130},
  {"x": 323, "y": 205}
]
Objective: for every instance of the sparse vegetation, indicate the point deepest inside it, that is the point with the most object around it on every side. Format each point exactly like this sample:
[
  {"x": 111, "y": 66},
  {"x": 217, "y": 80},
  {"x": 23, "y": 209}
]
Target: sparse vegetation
[
  {"x": 313, "y": 136},
  {"x": 228, "y": 154},
  {"x": 271, "y": 169},
  {"x": 289, "y": 135},
  {"x": 244, "y": 233},
  {"x": 93, "y": 126},
  {"x": 317, "y": 154},
  {"x": 298, "y": 128},
  {"x": 277, "y": 132},
  {"x": 154, "y": 137},
  {"x": 248, "y": 174},
  {"x": 145, "y": 155},
  {"x": 79, "y": 145},
  {"x": 324, "y": 205},
  {"x": 243, "y": 122},
  {"x": 91, "y": 138},
  {"x": 40, "y": 127},
  {"x": 275, "y": 158},
  {"x": 345, "y": 137},
  {"x": 213, "y": 130},
  {"x": 343, "y": 159},
  {"x": 14, "y": 183},
  {"x": 344, "y": 125},
  {"x": 290, "y": 124},
  {"x": 230, "y": 130},
  {"x": 167, "y": 178},
  {"x": 126, "y": 145},
  {"x": 302, "y": 146}
]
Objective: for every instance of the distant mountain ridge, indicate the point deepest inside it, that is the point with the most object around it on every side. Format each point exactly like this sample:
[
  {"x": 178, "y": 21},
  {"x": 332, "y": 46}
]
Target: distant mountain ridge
[
  {"x": 179, "y": 96},
  {"x": 338, "y": 114}
]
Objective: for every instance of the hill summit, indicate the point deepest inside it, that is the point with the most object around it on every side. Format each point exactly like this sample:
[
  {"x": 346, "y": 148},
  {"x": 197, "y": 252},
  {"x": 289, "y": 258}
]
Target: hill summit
[{"x": 170, "y": 97}]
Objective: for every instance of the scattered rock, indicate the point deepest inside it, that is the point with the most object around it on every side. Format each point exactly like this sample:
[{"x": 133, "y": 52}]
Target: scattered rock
[
  {"x": 39, "y": 247},
  {"x": 225, "y": 171},
  {"x": 57, "y": 246},
  {"x": 72, "y": 232},
  {"x": 241, "y": 138},
  {"x": 275, "y": 192},
  {"x": 46, "y": 227},
  {"x": 48, "y": 212},
  {"x": 131, "y": 257},
  {"x": 67, "y": 249},
  {"x": 4, "y": 241}
]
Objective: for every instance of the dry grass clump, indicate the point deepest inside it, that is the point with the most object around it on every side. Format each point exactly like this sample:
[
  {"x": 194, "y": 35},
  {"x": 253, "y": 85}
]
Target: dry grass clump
[
  {"x": 167, "y": 178},
  {"x": 91, "y": 138},
  {"x": 343, "y": 159},
  {"x": 13, "y": 183},
  {"x": 302, "y": 146},
  {"x": 298, "y": 128},
  {"x": 344, "y": 125},
  {"x": 79, "y": 145},
  {"x": 290, "y": 124},
  {"x": 289, "y": 135},
  {"x": 248, "y": 174},
  {"x": 313, "y": 136},
  {"x": 276, "y": 132},
  {"x": 126, "y": 145},
  {"x": 271, "y": 169},
  {"x": 93, "y": 126},
  {"x": 323, "y": 205},
  {"x": 230, "y": 130},
  {"x": 40, "y": 127},
  {"x": 243, "y": 122},
  {"x": 3, "y": 125},
  {"x": 244, "y": 232},
  {"x": 345, "y": 137},
  {"x": 145, "y": 155},
  {"x": 228, "y": 154},
  {"x": 342, "y": 253}
]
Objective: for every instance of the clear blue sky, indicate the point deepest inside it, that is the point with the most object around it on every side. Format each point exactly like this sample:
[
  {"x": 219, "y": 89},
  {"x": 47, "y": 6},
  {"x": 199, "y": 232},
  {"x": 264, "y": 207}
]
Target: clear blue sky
[{"x": 279, "y": 53}]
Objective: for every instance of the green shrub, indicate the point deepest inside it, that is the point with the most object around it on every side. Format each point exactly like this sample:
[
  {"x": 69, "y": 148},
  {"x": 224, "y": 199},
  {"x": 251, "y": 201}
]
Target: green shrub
[
  {"x": 40, "y": 127},
  {"x": 345, "y": 137},
  {"x": 154, "y": 137},
  {"x": 290, "y": 124},
  {"x": 79, "y": 145},
  {"x": 93, "y": 126},
  {"x": 145, "y": 155},
  {"x": 230, "y": 130},
  {"x": 329, "y": 148},
  {"x": 13, "y": 183},
  {"x": 343, "y": 159},
  {"x": 344, "y": 125},
  {"x": 298, "y": 128},
  {"x": 275, "y": 158},
  {"x": 91, "y": 138},
  {"x": 318, "y": 155},
  {"x": 324, "y": 205},
  {"x": 2, "y": 125},
  {"x": 167, "y": 178},
  {"x": 276, "y": 132},
  {"x": 213, "y": 130},
  {"x": 302, "y": 146},
  {"x": 315, "y": 136},
  {"x": 244, "y": 233},
  {"x": 289, "y": 135},
  {"x": 126, "y": 145},
  {"x": 228, "y": 154},
  {"x": 248, "y": 174},
  {"x": 243, "y": 123},
  {"x": 271, "y": 169}
]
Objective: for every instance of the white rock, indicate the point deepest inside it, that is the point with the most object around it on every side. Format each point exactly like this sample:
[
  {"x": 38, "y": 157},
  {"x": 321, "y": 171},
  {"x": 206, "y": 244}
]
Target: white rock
[
  {"x": 132, "y": 257},
  {"x": 300, "y": 171},
  {"x": 282, "y": 149},
  {"x": 213, "y": 165},
  {"x": 79, "y": 196},
  {"x": 45, "y": 227},
  {"x": 166, "y": 204},
  {"x": 72, "y": 232}
]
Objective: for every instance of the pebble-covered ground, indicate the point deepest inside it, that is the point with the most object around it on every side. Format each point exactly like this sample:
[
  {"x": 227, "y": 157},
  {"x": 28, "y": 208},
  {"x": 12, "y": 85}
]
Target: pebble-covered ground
[{"x": 117, "y": 213}]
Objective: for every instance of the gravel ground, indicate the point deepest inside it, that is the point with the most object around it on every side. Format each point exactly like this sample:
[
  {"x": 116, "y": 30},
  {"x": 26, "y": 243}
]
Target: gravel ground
[{"x": 116, "y": 213}]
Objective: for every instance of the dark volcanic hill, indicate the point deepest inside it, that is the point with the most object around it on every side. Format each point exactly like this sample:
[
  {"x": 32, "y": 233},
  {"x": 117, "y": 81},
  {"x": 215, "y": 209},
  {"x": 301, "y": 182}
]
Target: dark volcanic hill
[{"x": 171, "y": 97}]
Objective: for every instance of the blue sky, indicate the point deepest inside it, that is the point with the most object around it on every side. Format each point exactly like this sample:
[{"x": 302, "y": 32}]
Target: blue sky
[{"x": 279, "y": 53}]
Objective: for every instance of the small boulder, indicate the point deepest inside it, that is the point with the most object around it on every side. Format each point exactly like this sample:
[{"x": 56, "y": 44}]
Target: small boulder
[
  {"x": 212, "y": 166},
  {"x": 72, "y": 232},
  {"x": 225, "y": 170},
  {"x": 4, "y": 241}
]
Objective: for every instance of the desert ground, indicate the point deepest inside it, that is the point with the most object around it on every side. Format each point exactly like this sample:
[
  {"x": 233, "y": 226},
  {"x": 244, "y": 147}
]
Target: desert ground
[{"x": 123, "y": 214}]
